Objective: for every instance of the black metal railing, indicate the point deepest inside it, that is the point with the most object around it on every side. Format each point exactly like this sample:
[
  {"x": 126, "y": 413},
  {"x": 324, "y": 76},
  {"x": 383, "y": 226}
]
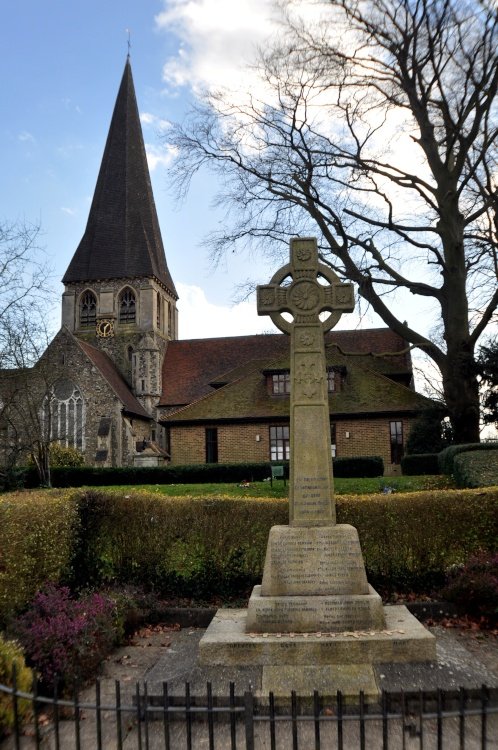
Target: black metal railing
[{"x": 125, "y": 717}]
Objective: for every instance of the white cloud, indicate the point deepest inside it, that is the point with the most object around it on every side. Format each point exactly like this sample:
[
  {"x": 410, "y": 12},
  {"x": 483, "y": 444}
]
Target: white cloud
[
  {"x": 160, "y": 124},
  {"x": 25, "y": 136},
  {"x": 200, "y": 319},
  {"x": 161, "y": 155},
  {"x": 217, "y": 38},
  {"x": 69, "y": 211}
]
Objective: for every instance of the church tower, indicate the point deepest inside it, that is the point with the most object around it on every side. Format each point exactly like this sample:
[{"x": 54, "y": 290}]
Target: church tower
[{"x": 119, "y": 294}]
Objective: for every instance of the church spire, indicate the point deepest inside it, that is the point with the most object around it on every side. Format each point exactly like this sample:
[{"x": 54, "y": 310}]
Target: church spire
[{"x": 122, "y": 238}]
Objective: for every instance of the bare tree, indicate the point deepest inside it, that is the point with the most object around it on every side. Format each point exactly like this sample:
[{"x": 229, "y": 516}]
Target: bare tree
[
  {"x": 25, "y": 297},
  {"x": 378, "y": 132}
]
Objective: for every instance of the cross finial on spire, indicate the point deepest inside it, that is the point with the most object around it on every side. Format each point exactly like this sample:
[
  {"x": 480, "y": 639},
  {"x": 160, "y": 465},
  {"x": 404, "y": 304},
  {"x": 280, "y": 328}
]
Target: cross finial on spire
[{"x": 129, "y": 42}]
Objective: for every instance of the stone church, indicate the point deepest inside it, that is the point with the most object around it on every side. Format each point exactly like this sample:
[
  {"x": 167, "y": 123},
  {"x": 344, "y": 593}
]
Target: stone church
[{"x": 117, "y": 384}]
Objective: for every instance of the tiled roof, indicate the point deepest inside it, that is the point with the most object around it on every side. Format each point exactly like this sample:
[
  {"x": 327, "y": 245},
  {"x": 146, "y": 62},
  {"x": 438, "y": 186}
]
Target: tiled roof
[
  {"x": 363, "y": 392},
  {"x": 122, "y": 238},
  {"x": 191, "y": 367},
  {"x": 111, "y": 374}
]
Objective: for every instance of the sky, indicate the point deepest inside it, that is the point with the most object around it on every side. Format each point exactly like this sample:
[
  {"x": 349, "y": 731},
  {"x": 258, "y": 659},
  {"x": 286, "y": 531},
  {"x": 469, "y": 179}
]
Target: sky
[{"x": 60, "y": 65}]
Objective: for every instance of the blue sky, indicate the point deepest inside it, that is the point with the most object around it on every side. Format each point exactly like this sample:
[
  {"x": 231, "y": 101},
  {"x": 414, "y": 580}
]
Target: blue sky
[{"x": 61, "y": 64}]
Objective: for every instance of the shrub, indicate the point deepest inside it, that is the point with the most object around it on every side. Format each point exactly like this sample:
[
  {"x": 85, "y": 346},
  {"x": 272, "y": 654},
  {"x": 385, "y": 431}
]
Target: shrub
[
  {"x": 428, "y": 434},
  {"x": 360, "y": 466},
  {"x": 447, "y": 456},
  {"x": 12, "y": 661},
  {"x": 476, "y": 469},
  {"x": 12, "y": 478},
  {"x": 36, "y": 537},
  {"x": 474, "y": 587},
  {"x": 66, "y": 639},
  {"x": 62, "y": 455},
  {"x": 217, "y": 547},
  {"x": 420, "y": 463}
]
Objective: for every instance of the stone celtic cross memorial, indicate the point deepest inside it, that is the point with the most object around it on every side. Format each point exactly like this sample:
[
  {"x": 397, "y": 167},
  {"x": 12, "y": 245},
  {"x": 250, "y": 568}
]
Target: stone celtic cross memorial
[
  {"x": 314, "y": 622},
  {"x": 311, "y": 487},
  {"x": 314, "y": 577}
]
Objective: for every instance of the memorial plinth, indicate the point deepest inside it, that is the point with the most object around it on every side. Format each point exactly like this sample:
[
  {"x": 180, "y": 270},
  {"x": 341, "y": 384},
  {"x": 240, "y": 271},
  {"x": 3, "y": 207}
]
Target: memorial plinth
[{"x": 314, "y": 602}]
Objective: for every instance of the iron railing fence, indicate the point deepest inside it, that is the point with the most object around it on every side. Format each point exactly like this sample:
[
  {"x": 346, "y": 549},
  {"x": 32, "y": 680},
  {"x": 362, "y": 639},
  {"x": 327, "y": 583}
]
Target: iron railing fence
[{"x": 134, "y": 718}]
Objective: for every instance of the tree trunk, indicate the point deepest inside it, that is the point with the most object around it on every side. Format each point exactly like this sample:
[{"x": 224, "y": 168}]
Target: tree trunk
[
  {"x": 461, "y": 393},
  {"x": 460, "y": 386}
]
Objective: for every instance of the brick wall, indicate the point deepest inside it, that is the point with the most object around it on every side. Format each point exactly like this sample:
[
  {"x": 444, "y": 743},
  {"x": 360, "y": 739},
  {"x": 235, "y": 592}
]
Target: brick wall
[{"x": 237, "y": 443}]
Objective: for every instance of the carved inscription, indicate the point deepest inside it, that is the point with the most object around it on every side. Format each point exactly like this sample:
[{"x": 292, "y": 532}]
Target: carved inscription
[
  {"x": 329, "y": 614},
  {"x": 314, "y": 562}
]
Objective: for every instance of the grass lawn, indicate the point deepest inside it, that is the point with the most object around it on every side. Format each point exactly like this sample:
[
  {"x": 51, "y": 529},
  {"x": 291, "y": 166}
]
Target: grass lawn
[{"x": 365, "y": 486}]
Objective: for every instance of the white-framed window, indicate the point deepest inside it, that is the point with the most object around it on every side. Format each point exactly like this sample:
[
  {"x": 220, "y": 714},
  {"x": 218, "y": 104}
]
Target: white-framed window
[
  {"x": 280, "y": 382},
  {"x": 63, "y": 413},
  {"x": 279, "y": 443}
]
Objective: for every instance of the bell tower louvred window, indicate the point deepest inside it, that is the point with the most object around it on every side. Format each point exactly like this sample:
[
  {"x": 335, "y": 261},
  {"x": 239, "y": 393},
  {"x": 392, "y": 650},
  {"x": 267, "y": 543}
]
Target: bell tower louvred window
[
  {"x": 127, "y": 306},
  {"x": 88, "y": 309}
]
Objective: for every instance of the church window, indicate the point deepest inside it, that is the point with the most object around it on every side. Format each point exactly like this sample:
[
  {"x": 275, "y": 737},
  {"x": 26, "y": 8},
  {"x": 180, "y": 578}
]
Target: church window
[
  {"x": 158, "y": 312},
  {"x": 279, "y": 443},
  {"x": 64, "y": 414},
  {"x": 88, "y": 309},
  {"x": 170, "y": 320},
  {"x": 281, "y": 382},
  {"x": 333, "y": 439},
  {"x": 127, "y": 306},
  {"x": 331, "y": 380},
  {"x": 129, "y": 352},
  {"x": 396, "y": 435},
  {"x": 211, "y": 445}
]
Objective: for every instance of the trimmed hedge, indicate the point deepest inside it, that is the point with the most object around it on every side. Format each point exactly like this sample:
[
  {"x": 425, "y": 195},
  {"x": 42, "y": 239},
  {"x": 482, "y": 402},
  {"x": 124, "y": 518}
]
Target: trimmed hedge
[
  {"x": 447, "y": 456},
  {"x": 416, "y": 464},
  {"x": 37, "y": 532},
  {"x": 78, "y": 476},
  {"x": 188, "y": 474},
  {"x": 476, "y": 469},
  {"x": 360, "y": 466},
  {"x": 205, "y": 548}
]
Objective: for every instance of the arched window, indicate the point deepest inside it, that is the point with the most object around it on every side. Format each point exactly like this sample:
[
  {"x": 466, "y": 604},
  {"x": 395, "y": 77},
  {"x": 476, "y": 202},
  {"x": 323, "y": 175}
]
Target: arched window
[
  {"x": 88, "y": 309},
  {"x": 127, "y": 306},
  {"x": 158, "y": 312},
  {"x": 64, "y": 414}
]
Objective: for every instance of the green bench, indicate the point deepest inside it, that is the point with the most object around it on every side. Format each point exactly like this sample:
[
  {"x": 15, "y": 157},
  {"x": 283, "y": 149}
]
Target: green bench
[{"x": 277, "y": 472}]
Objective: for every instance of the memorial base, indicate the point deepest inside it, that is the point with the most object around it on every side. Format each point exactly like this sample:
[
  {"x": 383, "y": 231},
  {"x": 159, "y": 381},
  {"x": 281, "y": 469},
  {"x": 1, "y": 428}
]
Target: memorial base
[
  {"x": 306, "y": 614},
  {"x": 403, "y": 639}
]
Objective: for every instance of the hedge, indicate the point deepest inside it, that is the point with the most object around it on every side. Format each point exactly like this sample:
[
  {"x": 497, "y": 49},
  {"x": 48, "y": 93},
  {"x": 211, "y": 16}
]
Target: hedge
[
  {"x": 361, "y": 466},
  {"x": 416, "y": 464},
  {"x": 476, "y": 469},
  {"x": 37, "y": 533},
  {"x": 187, "y": 547},
  {"x": 447, "y": 456}
]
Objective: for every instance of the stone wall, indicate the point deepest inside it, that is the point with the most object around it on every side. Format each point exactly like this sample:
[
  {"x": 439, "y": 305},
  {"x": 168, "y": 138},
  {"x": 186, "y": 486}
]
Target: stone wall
[{"x": 125, "y": 334}]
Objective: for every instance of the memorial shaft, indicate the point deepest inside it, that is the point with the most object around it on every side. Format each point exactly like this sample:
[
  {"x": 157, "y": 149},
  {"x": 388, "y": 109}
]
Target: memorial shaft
[{"x": 314, "y": 288}]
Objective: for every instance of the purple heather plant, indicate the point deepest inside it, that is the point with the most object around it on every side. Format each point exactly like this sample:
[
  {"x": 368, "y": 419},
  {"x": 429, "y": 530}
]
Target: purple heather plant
[{"x": 65, "y": 639}]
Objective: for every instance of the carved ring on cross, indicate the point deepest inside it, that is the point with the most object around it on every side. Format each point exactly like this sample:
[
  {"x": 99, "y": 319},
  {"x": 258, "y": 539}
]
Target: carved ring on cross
[{"x": 305, "y": 296}]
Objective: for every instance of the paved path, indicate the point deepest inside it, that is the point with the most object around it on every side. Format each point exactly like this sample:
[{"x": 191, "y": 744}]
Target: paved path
[{"x": 162, "y": 653}]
